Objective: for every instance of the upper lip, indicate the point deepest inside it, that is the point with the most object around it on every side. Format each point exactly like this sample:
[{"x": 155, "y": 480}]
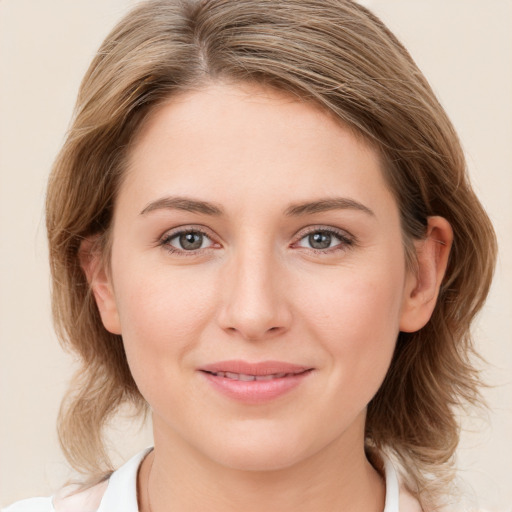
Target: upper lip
[{"x": 257, "y": 368}]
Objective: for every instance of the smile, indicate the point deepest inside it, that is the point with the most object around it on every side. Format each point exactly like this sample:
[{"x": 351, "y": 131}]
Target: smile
[
  {"x": 248, "y": 378},
  {"x": 254, "y": 383}
]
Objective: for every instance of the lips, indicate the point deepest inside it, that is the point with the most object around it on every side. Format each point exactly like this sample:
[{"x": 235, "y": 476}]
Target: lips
[
  {"x": 259, "y": 369},
  {"x": 254, "y": 382},
  {"x": 249, "y": 377}
]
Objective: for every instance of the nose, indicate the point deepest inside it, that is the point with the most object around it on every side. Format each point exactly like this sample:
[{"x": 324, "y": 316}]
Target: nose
[{"x": 254, "y": 305}]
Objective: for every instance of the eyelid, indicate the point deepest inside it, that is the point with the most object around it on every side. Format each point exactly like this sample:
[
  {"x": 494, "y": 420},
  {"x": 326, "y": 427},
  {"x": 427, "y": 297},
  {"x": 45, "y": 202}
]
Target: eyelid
[
  {"x": 346, "y": 238},
  {"x": 169, "y": 234}
]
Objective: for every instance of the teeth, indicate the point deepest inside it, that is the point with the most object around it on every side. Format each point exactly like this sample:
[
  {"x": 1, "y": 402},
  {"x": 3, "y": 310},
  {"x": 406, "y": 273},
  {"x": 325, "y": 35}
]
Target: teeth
[
  {"x": 243, "y": 376},
  {"x": 248, "y": 378},
  {"x": 265, "y": 377}
]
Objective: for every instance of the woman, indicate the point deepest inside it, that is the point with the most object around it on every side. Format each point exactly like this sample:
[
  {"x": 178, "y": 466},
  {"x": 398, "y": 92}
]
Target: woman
[{"x": 261, "y": 228}]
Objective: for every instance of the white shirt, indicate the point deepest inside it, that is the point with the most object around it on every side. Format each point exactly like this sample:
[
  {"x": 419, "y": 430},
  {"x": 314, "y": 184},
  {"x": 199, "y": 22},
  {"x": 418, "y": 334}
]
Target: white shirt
[{"x": 119, "y": 494}]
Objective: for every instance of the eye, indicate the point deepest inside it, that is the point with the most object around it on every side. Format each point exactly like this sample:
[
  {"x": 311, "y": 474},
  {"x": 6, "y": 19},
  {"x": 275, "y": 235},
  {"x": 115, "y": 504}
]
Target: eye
[
  {"x": 325, "y": 239},
  {"x": 186, "y": 241}
]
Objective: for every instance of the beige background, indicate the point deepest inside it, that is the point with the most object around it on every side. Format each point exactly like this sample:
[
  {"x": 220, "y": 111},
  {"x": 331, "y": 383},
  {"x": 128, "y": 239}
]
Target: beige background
[{"x": 465, "y": 49}]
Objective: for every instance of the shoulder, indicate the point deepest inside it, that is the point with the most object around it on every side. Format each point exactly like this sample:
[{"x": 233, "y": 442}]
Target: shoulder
[
  {"x": 31, "y": 505},
  {"x": 408, "y": 503},
  {"x": 66, "y": 500},
  {"x": 119, "y": 492},
  {"x": 70, "y": 499}
]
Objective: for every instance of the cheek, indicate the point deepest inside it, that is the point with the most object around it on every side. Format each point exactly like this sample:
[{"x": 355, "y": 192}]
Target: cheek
[
  {"x": 353, "y": 302},
  {"x": 162, "y": 317},
  {"x": 356, "y": 319}
]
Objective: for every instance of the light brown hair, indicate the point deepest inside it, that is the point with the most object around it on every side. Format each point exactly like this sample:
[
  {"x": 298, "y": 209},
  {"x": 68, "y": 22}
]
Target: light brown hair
[{"x": 340, "y": 56}]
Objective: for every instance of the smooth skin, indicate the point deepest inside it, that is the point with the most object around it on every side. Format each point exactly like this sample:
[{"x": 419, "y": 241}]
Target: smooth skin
[{"x": 256, "y": 227}]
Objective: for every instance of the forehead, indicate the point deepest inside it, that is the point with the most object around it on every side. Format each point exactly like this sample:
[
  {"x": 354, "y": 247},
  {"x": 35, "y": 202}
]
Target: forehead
[{"x": 251, "y": 140}]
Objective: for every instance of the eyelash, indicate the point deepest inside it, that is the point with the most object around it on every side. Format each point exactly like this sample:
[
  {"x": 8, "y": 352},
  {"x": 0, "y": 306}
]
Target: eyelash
[
  {"x": 346, "y": 240},
  {"x": 165, "y": 240}
]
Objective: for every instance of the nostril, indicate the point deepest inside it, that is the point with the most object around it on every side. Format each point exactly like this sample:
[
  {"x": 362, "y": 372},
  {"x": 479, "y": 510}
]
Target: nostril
[{"x": 254, "y": 335}]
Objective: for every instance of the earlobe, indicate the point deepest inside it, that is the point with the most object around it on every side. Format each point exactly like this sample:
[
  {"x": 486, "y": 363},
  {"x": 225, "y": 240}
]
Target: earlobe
[
  {"x": 422, "y": 286},
  {"x": 100, "y": 283}
]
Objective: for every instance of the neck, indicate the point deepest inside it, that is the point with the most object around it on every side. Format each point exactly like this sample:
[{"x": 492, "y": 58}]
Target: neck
[{"x": 341, "y": 478}]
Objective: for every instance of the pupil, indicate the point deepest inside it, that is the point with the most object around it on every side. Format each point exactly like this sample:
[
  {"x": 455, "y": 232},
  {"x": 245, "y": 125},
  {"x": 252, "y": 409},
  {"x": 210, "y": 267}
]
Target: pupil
[
  {"x": 191, "y": 241},
  {"x": 320, "y": 240}
]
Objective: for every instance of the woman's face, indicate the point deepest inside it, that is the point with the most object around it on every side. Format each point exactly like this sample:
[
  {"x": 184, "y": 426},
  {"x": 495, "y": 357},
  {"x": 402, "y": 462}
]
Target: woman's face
[{"x": 258, "y": 277}]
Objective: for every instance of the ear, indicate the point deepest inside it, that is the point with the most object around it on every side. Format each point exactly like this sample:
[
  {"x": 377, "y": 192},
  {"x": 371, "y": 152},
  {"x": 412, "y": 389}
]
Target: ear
[
  {"x": 100, "y": 282},
  {"x": 422, "y": 286}
]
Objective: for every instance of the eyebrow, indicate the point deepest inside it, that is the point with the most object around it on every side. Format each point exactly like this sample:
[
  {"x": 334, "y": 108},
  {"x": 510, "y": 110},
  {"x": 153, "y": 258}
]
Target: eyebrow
[
  {"x": 182, "y": 203},
  {"x": 295, "y": 210},
  {"x": 324, "y": 205}
]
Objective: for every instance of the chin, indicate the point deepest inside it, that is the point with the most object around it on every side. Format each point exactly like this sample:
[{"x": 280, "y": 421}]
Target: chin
[
  {"x": 259, "y": 461},
  {"x": 260, "y": 453}
]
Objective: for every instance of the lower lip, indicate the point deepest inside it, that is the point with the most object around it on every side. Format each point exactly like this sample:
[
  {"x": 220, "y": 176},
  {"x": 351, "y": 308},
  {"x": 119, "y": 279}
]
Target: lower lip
[{"x": 255, "y": 391}]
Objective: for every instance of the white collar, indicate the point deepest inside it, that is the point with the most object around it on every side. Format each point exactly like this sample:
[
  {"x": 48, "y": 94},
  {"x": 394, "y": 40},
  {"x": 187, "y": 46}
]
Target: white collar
[
  {"x": 392, "y": 487},
  {"x": 121, "y": 491}
]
